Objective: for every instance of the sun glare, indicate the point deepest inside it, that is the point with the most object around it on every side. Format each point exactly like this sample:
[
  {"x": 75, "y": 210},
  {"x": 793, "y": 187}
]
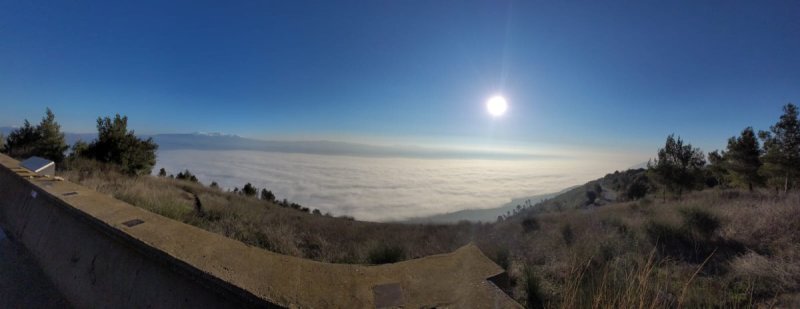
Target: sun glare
[{"x": 497, "y": 105}]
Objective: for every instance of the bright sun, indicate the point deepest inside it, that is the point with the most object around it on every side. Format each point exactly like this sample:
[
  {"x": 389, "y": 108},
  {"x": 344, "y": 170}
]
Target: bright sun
[{"x": 497, "y": 105}]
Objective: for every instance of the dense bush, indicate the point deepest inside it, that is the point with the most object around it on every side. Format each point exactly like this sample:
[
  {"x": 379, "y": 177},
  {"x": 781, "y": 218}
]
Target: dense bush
[
  {"x": 700, "y": 221},
  {"x": 186, "y": 175},
  {"x": 690, "y": 241},
  {"x": 530, "y": 224},
  {"x": 534, "y": 298},
  {"x": 670, "y": 240},
  {"x": 385, "y": 254},
  {"x": 249, "y": 190},
  {"x": 267, "y": 195},
  {"x": 637, "y": 189},
  {"x": 502, "y": 257},
  {"x": 567, "y": 234}
]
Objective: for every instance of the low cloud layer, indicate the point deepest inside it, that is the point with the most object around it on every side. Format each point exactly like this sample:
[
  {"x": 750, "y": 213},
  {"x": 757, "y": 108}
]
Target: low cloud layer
[{"x": 382, "y": 189}]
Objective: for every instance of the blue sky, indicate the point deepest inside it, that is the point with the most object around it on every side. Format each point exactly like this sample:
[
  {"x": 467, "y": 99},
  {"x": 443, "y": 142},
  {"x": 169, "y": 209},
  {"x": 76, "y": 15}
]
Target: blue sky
[{"x": 582, "y": 74}]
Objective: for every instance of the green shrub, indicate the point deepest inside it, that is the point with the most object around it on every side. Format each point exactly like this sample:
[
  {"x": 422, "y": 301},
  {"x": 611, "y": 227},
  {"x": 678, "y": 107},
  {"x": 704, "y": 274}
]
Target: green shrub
[
  {"x": 616, "y": 224},
  {"x": 530, "y": 224},
  {"x": 533, "y": 292},
  {"x": 185, "y": 175},
  {"x": 386, "y": 253},
  {"x": 670, "y": 240},
  {"x": 502, "y": 257},
  {"x": 638, "y": 189},
  {"x": 567, "y": 234},
  {"x": 679, "y": 242},
  {"x": 700, "y": 221}
]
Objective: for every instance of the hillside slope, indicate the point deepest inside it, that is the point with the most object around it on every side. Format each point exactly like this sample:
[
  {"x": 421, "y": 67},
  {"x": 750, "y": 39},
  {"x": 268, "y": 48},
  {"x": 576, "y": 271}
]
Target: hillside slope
[{"x": 717, "y": 248}]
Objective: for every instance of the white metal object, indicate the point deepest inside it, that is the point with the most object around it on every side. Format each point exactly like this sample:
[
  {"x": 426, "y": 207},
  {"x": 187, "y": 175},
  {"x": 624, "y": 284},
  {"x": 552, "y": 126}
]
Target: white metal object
[{"x": 40, "y": 166}]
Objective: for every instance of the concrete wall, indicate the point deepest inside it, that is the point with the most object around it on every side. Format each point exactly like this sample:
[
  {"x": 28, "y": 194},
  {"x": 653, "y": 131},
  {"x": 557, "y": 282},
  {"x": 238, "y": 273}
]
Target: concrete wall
[
  {"x": 101, "y": 252},
  {"x": 96, "y": 265}
]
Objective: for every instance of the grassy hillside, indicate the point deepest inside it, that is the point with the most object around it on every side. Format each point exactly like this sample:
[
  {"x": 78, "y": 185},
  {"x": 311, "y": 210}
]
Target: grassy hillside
[
  {"x": 718, "y": 248},
  {"x": 483, "y": 215}
]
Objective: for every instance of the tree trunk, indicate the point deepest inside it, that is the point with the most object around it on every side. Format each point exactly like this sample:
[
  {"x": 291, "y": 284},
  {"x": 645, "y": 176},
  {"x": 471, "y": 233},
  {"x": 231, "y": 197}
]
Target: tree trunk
[
  {"x": 750, "y": 186},
  {"x": 786, "y": 183}
]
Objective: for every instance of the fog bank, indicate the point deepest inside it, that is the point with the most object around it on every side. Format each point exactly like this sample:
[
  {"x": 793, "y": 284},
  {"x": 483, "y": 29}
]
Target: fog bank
[{"x": 382, "y": 189}]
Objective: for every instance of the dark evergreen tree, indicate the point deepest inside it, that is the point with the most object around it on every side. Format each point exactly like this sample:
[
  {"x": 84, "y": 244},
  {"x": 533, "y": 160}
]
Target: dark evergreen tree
[
  {"x": 249, "y": 190},
  {"x": 782, "y": 148},
  {"x": 678, "y": 166},
  {"x": 186, "y": 175},
  {"x": 637, "y": 189},
  {"x": 78, "y": 149},
  {"x": 162, "y": 172},
  {"x": 743, "y": 159},
  {"x": 267, "y": 195},
  {"x": 21, "y": 143},
  {"x": 51, "y": 143},
  {"x": 718, "y": 168},
  {"x": 44, "y": 140},
  {"x": 115, "y": 144}
]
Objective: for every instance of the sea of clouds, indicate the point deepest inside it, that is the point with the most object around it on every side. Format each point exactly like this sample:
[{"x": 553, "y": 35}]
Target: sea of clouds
[{"x": 382, "y": 189}]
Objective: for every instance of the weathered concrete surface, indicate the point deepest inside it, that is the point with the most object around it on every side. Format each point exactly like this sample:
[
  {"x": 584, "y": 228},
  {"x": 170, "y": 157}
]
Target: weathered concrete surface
[
  {"x": 79, "y": 238},
  {"x": 22, "y": 283}
]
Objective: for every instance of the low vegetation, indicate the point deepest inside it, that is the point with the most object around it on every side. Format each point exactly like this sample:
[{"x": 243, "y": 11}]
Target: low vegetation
[{"x": 681, "y": 233}]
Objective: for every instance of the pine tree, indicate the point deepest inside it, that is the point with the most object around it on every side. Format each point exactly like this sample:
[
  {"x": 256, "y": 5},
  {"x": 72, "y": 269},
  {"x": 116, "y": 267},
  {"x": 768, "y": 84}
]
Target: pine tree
[
  {"x": 249, "y": 190},
  {"x": 743, "y": 159},
  {"x": 678, "y": 166},
  {"x": 78, "y": 149},
  {"x": 186, "y": 175},
  {"x": 782, "y": 148},
  {"x": 267, "y": 195},
  {"x": 51, "y": 143},
  {"x": 718, "y": 167},
  {"x": 115, "y": 144},
  {"x": 21, "y": 143}
]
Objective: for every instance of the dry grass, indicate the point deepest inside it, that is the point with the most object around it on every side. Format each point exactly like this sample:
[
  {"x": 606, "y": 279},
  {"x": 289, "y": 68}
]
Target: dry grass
[
  {"x": 272, "y": 227},
  {"x": 607, "y": 259}
]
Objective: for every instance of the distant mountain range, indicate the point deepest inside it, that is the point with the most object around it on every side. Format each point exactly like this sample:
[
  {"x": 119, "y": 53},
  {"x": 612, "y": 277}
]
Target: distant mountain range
[{"x": 219, "y": 141}]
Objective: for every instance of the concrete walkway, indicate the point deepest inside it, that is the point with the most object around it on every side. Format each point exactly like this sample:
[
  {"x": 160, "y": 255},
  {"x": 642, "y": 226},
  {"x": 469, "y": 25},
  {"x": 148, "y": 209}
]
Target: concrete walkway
[{"x": 22, "y": 283}]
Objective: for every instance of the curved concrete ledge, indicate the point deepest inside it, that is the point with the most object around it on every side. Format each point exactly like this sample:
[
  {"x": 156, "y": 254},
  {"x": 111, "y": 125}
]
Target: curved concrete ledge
[{"x": 102, "y": 252}]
